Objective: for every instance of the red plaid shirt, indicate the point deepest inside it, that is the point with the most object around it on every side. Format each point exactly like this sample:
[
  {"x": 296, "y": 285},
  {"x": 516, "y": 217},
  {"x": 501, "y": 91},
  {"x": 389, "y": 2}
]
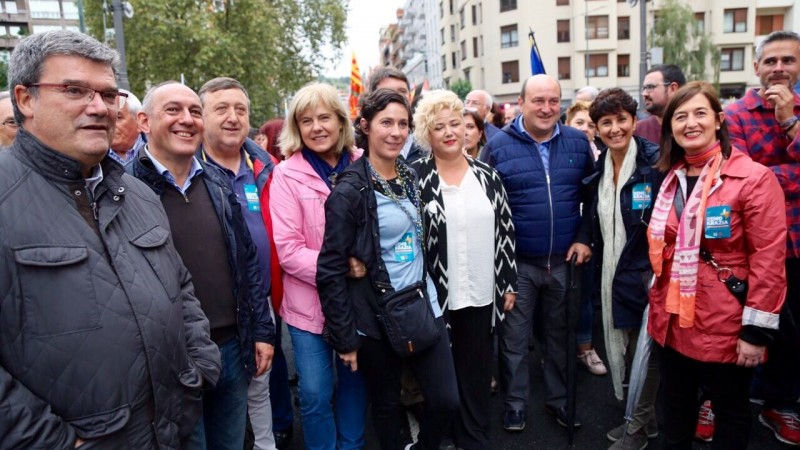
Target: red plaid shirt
[{"x": 754, "y": 129}]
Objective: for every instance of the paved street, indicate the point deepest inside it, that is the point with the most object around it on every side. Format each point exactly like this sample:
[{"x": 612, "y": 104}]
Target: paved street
[{"x": 597, "y": 409}]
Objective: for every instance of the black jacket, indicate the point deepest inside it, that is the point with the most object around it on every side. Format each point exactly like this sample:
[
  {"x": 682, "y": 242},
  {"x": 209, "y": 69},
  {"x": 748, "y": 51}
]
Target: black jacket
[
  {"x": 253, "y": 320},
  {"x": 631, "y": 280},
  {"x": 351, "y": 229},
  {"x": 99, "y": 322}
]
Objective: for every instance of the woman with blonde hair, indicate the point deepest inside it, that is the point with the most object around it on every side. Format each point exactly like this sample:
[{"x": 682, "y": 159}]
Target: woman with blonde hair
[
  {"x": 318, "y": 143},
  {"x": 469, "y": 238}
]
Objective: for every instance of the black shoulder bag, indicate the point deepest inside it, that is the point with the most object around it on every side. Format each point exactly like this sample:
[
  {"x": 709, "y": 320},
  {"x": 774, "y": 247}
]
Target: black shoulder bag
[{"x": 406, "y": 316}]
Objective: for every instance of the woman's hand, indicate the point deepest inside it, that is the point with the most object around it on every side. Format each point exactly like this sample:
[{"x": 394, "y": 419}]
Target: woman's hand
[
  {"x": 508, "y": 301},
  {"x": 350, "y": 359},
  {"x": 357, "y": 268},
  {"x": 749, "y": 355}
]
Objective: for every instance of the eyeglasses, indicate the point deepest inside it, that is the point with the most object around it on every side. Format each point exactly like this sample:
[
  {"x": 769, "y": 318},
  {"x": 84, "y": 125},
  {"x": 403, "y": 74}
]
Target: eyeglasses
[
  {"x": 10, "y": 123},
  {"x": 650, "y": 87},
  {"x": 113, "y": 99}
]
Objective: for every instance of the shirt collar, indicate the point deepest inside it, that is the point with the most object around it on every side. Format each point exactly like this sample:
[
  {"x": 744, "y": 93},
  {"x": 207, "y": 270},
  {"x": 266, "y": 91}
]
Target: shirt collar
[
  {"x": 520, "y": 124},
  {"x": 163, "y": 171},
  {"x": 95, "y": 179}
]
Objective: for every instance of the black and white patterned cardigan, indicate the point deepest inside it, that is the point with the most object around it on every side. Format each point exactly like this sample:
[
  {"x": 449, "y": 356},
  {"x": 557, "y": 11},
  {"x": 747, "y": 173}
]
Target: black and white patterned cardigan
[{"x": 435, "y": 224}]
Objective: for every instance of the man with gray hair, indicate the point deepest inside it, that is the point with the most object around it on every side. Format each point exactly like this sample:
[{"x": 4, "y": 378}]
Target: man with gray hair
[
  {"x": 103, "y": 339},
  {"x": 8, "y": 131},
  {"x": 481, "y": 102},
  {"x": 127, "y": 138},
  {"x": 586, "y": 94}
]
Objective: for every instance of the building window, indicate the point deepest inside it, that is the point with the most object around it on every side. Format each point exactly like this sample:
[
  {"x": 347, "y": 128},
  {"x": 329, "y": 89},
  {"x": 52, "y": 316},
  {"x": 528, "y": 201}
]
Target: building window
[
  {"x": 463, "y": 50},
  {"x": 452, "y": 33},
  {"x": 480, "y": 12},
  {"x": 562, "y": 2},
  {"x": 509, "y": 37},
  {"x": 623, "y": 65},
  {"x": 45, "y": 9},
  {"x": 767, "y": 24},
  {"x": 481, "y": 45},
  {"x": 451, "y": 7},
  {"x": 508, "y": 5},
  {"x": 623, "y": 27},
  {"x": 462, "y": 18},
  {"x": 562, "y": 30},
  {"x": 444, "y": 63},
  {"x": 474, "y": 14},
  {"x": 454, "y": 60},
  {"x": 442, "y": 31},
  {"x": 466, "y": 76},
  {"x": 70, "y": 10},
  {"x": 598, "y": 65},
  {"x": 510, "y": 71},
  {"x": 475, "y": 47},
  {"x": 732, "y": 59},
  {"x": 735, "y": 20},
  {"x": 564, "y": 68},
  {"x": 700, "y": 23},
  {"x": 597, "y": 27},
  {"x": 11, "y": 7},
  {"x": 441, "y": 11}
]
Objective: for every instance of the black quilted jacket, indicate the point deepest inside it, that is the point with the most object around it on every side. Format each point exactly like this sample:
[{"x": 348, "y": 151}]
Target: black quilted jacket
[{"x": 99, "y": 326}]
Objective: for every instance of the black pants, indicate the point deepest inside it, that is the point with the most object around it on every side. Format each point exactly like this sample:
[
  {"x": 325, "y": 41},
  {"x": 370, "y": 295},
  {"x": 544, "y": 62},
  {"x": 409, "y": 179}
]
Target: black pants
[
  {"x": 726, "y": 386},
  {"x": 781, "y": 373},
  {"x": 472, "y": 356},
  {"x": 434, "y": 371}
]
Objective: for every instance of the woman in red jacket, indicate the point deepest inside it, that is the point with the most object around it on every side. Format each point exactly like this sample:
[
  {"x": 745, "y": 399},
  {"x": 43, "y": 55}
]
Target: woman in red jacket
[{"x": 714, "y": 201}]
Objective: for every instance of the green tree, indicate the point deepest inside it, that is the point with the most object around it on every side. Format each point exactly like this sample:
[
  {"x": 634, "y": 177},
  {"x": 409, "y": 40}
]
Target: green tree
[
  {"x": 461, "y": 88},
  {"x": 273, "y": 47},
  {"x": 684, "y": 42}
]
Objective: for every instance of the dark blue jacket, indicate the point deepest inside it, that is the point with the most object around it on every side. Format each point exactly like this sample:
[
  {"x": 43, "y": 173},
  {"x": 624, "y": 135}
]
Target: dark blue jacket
[
  {"x": 253, "y": 320},
  {"x": 545, "y": 207},
  {"x": 631, "y": 280}
]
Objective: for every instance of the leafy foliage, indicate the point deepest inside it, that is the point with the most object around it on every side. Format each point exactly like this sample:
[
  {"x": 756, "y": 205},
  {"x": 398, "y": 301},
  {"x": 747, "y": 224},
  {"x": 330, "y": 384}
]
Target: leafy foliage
[
  {"x": 461, "y": 88},
  {"x": 684, "y": 43},
  {"x": 273, "y": 47}
]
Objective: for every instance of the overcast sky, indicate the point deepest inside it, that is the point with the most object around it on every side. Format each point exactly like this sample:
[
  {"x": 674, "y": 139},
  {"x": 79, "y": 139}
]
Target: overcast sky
[{"x": 364, "y": 21}]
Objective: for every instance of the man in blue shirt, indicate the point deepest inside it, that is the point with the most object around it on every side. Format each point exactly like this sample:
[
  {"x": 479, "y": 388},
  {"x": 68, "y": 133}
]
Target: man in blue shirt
[
  {"x": 542, "y": 165},
  {"x": 226, "y": 112}
]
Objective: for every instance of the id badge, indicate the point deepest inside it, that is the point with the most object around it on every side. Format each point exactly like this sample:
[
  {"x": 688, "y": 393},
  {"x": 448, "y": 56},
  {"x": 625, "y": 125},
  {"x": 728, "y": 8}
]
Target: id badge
[
  {"x": 404, "y": 250},
  {"x": 251, "y": 195},
  {"x": 642, "y": 195},
  {"x": 718, "y": 222}
]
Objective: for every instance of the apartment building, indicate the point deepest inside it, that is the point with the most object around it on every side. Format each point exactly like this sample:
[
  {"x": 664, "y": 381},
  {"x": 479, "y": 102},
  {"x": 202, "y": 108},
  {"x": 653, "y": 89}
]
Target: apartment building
[
  {"x": 22, "y": 17},
  {"x": 593, "y": 42}
]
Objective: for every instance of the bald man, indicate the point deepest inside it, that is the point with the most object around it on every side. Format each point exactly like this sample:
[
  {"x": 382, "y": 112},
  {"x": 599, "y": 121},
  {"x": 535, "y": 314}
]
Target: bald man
[{"x": 542, "y": 164}]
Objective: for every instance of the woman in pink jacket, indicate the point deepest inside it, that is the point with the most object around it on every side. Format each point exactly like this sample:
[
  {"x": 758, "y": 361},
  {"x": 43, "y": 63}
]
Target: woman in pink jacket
[
  {"x": 715, "y": 202},
  {"x": 317, "y": 141}
]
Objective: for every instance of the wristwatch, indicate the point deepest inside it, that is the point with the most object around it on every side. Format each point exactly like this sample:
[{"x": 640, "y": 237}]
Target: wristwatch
[{"x": 787, "y": 124}]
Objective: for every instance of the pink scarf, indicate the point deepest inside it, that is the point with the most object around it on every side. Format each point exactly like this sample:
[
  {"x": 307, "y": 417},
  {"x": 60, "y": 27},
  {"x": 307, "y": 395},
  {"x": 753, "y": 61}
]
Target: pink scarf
[{"x": 686, "y": 259}]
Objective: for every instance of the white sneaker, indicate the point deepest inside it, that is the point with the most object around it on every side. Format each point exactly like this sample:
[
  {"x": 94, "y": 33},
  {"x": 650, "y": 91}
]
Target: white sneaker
[{"x": 593, "y": 363}]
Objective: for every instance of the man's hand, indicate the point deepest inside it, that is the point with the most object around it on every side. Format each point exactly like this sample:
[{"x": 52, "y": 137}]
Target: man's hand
[
  {"x": 350, "y": 359},
  {"x": 781, "y": 98},
  {"x": 79, "y": 442},
  {"x": 583, "y": 252},
  {"x": 357, "y": 268},
  {"x": 264, "y": 354},
  {"x": 508, "y": 301},
  {"x": 749, "y": 355}
]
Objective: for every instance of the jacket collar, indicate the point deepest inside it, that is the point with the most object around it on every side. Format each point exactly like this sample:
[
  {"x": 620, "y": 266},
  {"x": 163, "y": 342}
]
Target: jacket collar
[
  {"x": 59, "y": 167},
  {"x": 736, "y": 166}
]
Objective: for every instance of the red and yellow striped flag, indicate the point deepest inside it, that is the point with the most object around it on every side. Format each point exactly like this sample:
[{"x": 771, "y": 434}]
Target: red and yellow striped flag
[{"x": 356, "y": 87}]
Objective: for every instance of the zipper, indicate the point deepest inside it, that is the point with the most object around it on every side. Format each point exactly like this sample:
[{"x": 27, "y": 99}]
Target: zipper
[{"x": 552, "y": 220}]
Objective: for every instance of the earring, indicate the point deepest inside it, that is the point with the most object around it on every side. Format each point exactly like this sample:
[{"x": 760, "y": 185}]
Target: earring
[{"x": 717, "y": 127}]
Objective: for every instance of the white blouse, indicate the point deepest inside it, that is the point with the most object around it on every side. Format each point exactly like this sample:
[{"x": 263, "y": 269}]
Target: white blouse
[{"x": 470, "y": 243}]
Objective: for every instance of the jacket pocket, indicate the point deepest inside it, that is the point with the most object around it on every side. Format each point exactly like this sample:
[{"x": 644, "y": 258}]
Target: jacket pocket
[
  {"x": 56, "y": 287},
  {"x": 162, "y": 259},
  {"x": 191, "y": 401},
  {"x": 101, "y": 424}
]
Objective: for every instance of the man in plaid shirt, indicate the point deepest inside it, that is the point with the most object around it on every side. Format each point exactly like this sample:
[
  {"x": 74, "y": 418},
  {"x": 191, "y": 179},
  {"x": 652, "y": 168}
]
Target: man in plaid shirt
[{"x": 764, "y": 123}]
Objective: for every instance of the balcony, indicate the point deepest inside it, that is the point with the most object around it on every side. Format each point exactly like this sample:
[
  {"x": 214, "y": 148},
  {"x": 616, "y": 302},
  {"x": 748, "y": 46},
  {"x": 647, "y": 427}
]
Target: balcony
[{"x": 18, "y": 16}]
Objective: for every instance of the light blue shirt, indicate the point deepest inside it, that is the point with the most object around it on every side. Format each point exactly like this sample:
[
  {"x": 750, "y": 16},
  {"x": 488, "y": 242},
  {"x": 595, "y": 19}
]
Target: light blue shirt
[
  {"x": 194, "y": 171},
  {"x": 394, "y": 228},
  {"x": 543, "y": 147}
]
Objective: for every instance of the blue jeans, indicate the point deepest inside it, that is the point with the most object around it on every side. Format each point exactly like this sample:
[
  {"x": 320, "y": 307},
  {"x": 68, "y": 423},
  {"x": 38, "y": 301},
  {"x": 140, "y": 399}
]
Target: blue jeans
[
  {"x": 586, "y": 320},
  {"x": 224, "y": 406},
  {"x": 314, "y": 360}
]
